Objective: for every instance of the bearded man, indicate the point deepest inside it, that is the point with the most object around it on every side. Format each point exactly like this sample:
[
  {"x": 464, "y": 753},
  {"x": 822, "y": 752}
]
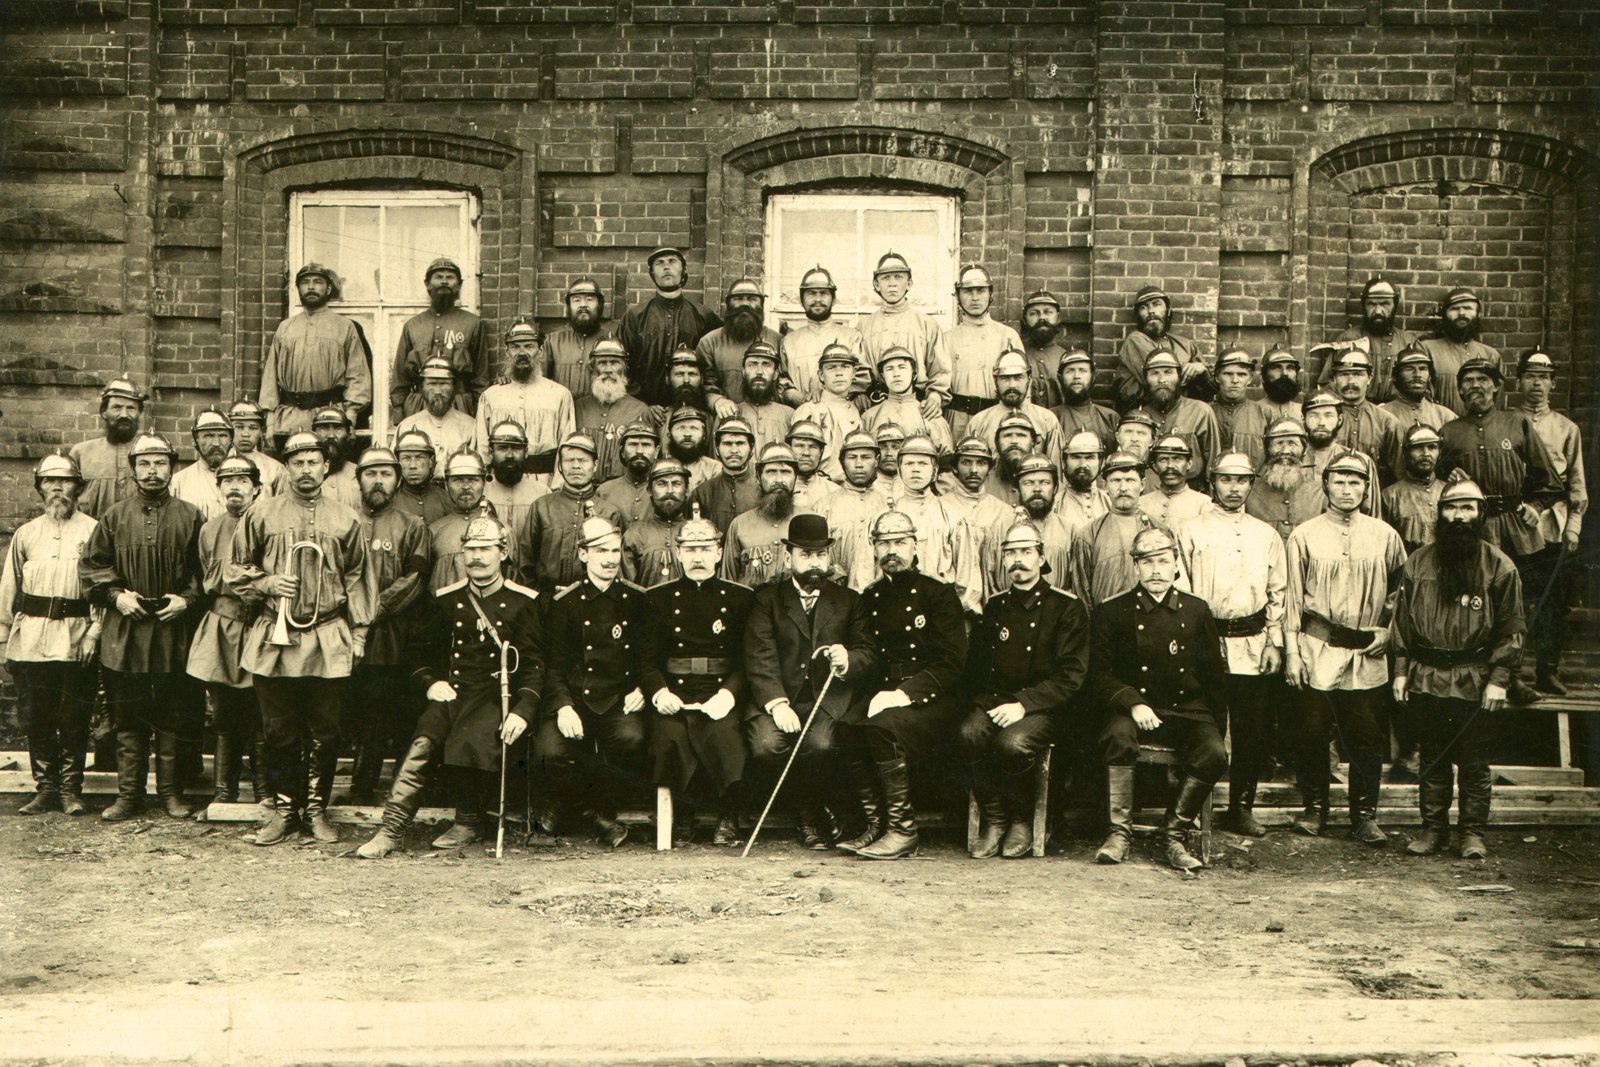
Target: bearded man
[
  {"x": 606, "y": 409},
  {"x": 103, "y": 461},
  {"x": 1152, "y": 310},
  {"x": 753, "y": 553},
  {"x": 1014, "y": 437},
  {"x": 1456, "y": 344},
  {"x": 669, "y": 320},
  {"x": 1379, "y": 335},
  {"x": 649, "y": 544},
  {"x": 509, "y": 489},
  {"x": 1040, "y": 331},
  {"x": 1013, "y": 397},
  {"x": 444, "y": 331},
  {"x": 687, "y": 443},
  {"x": 1411, "y": 504},
  {"x": 629, "y": 491},
  {"x": 760, "y": 406},
  {"x": 331, "y": 427},
  {"x": 450, "y": 430},
  {"x": 1076, "y": 411},
  {"x": 1288, "y": 491},
  {"x": 724, "y": 348},
  {"x": 1101, "y": 557},
  {"x": 569, "y": 348},
  {"x": 1177, "y": 414},
  {"x": 1081, "y": 500},
  {"x": 1037, "y": 483},
  {"x": 543, "y": 408},
  {"x": 1280, "y": 387},
  {"x": 198, "y": 483},
  {"x": 316, "y": 358},
  {"x": 803, "y": 345}
]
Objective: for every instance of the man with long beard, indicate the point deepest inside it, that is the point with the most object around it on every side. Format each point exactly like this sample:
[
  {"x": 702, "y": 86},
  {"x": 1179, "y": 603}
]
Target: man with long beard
[
  {"x": 569, "y": 349},
  {"x": 1238, "y": 565},
  {"x": 449, "y": 430},
  {"x": 198, "y": 483},
  {"x": 1101, "y": 564},
  {"x": 1411, "y": 504},
  {"x": 1456, "y": 344},
  {"x": 547, "y": 545},
  {"x": 1378, "y": 334},
  {"x": 1561, "y": 510},
  {"x": 606, "y": 408},
  {"x": 669, "y": 320},
  {"x": 419, "y": 494},
  {"x": 50, "y": 632},
  {"x": 509, "y": 489},
  {"x": 897, "y": 371},
  {"x": 1081, "y": 500},
  {"x": 1177, "y": 414},
  {"x": 1040, "y": 331},
  {"x": 753, "y": 552},
  {"x": 249, "y": 440},
  {"x": 301, "y": 685},
  {"x": 543, "y": 408},
  {"x": 972, "y": 348},
  {"x": 1410, "y": 402},
  {"x": 219, "y": 640},
  {"x": 1324, "y": 416},
  {"x": 1076, "y": 411},
  {"x": 944, "y": 543},
  {"x": 629, "y": 491},
  {"x": 899, "y": 325},
  {"x": 724, "y": 348},
  {"x": 1458, "y": 637},
  {"x": 1037, "y": 483},
  {"x": 760, "y": 406},
  {"x": 649, "y": 545},
  {"x": 316, "y": 358},
  {"x": 1028, "y": 659},
  {"x": 1014, "y": 437},
  {"x": 1344, "y": 568},
  {"x": 917, "y": 625},
  {"x": 398, "y": 549},
  {"x": 141, "y": 564},
  {"x": 807, "y": 441},
  {"x": 103, "y": 461},
  {"x": 1280, "y": 388},
  {"x": 1288, "y": 491},
  {"x": 1363, "y": 426},
  {"x": 1172, "y": 503},
  {"x": 986, "y": 517},
  {"x": 1152, "y": 332},
  {"x": 696, "y": 680},
  {"x": 803, "y": 345},
  {"x": 851, "y": 508},
  {"x": 331, "y": 428},
  {"x": 686, "y": 443},
  {"x": 1014, "y": 397},
  {"x": 735, "y": 489},
  {"x": 464, "y": 481},
  {"x": 444, "y": 331}
]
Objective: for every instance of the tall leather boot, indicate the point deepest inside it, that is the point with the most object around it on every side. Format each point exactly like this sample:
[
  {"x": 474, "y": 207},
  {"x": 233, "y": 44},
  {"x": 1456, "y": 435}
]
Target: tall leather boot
[
  {"x": 995, "y": 818},
  {"x": 900, "y": 835},
  {"x": 1241, "y": 803},
  {"x": 468, "y": 826},
  {"x": 1119, "y": 807},
  {"x": 1433, "y": 800},
  {"x": 1018, "y": 797},
  {"x": 1183, "y": 821},
  {"x": 260, "y": 788},
  {"x": 72, "y": 776},
  {"x": 133, "y": 766},
  {"x": 323, "y": 762},
  {"x": 227, "y": 764},
  {"x": 46, "y": 776},
  {"x": 869, "y": 792},
  {"x": 404, "y": 799},
  {"x": 1312, "y": 778},
  {"x": 1366, "y": 770},
  {"x": 1547, "y": 671},
  {"x": 1477, "y": 793},
  {"x": 285, "y": 777},
  {"x": 169, "y": 757}
]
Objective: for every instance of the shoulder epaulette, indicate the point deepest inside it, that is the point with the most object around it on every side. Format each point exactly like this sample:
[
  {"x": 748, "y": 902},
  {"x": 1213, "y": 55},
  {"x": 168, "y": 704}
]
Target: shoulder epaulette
[
  {"x": 1064, "y": 592},
  {"x": 629, "y": 585},
  {"x": 532, "y": 594},
  {"x": 451, "y": 588},
  {"x": 736, "y": 585},
  {"x": 564, "y": 590}
]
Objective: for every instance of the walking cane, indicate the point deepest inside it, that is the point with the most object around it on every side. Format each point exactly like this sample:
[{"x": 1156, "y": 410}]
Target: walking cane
[{"x": 793, "y": 752}]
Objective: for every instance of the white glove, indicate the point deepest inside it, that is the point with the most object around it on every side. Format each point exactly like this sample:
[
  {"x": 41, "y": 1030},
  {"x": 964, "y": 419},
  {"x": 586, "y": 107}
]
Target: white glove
[
  {"x": 889, "y": 698},
  {"x": 442, "y": 692},
  {"x": 666, "y": 701},
  {"x": 570, "y": 725},
  {"x": 1007, "y": 714},
  {"x": 718, "y": 706},
  {"x": 1494, "y": 697},
  {"x": 632, "y": 702}
]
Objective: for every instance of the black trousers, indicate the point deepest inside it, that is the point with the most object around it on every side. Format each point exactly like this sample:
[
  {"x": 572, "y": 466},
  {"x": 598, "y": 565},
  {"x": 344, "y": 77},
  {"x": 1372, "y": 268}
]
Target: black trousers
[
  {"x": 150, "y": 710},
  {"x": 297, "y": 714},
  {"x": 1253, "y": 702},
  {"x": 1011, "y": 750},
  {"x": 54, "y": 702},
  {"x": 380, "y": 715},
  {"x": 1459, "y": 735},
  {"x": 593, "y": 771},
  {"x": 1548, "y": 582},
  {"x": 1357, "y": 719},
  {"x": 1197, "y": 742}
]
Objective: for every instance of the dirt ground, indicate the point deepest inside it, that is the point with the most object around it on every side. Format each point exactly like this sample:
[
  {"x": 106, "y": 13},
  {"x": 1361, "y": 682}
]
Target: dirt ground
[{"x": 90, "y": 908}]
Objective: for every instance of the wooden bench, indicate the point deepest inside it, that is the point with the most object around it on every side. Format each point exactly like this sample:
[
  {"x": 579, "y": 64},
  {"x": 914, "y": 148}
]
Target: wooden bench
[{"x": 1041, "y": 806}]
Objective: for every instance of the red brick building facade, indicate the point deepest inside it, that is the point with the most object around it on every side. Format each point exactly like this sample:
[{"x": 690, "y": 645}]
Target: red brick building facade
[{"x": 1259, "y": 158}]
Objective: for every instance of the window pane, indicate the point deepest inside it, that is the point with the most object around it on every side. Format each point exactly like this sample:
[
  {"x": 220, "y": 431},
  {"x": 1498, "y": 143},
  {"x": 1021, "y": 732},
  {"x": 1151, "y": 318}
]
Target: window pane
[
  {"x": 415, "y": 237},
  {"x": 915, "y": 235},
  {"x": 346, "y": 239},
  {"x": 812, "y": 237}
]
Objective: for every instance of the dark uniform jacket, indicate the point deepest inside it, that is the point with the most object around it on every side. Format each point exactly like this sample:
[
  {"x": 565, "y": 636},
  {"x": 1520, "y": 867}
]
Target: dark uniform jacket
[
  {"x": 599, "y": 646},
  {"x": 398, "y": 549},
  {"x": 1167, "y": 655},
  {"x": 1030, "y": 646},
  {"x": 1505, "y": 455},
  {"x": 916, "y": 622},
  {"x": 698, "y": 621},
  {"x": 781, "y": 637},
  {"x": 451, "y": 644},
  {"x": 1451, "y": 647},
  {"x": 723, "y": 497}
]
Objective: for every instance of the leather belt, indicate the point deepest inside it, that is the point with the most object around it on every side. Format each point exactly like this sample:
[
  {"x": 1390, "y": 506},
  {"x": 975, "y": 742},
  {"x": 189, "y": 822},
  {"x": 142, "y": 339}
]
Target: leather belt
[
  {"x": 1447, "y": 657},
  {"x": 1243, "y": 626},
  {"x": 317, "y": 399},
  {"x": 699, "y": 665},
  {"x": 1500, "y": 505},
  {"x": 971, "y": 405},
  {"x": 51, "y": 607},
  {"x": 899, "y": 672},
  {"x": 1332, "y": 633}
]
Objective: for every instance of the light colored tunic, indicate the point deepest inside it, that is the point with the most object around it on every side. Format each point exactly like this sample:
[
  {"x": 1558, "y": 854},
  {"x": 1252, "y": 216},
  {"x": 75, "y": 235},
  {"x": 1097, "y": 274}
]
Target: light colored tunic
[
  {"x": 1080, "y": 509},
  {"x": 512, "y": 503},
  {"x": 727, "y": 356},
  {"x": 312, "y": 352},
  {"x": 1102, "y": 560},
  {"x": 752, "y": 551},
  {"x": 986, "y": 422},
  {"x": 945, "y": 549},
  {"x": 838, "y": 418},
  {"x": 903, "y": 326},
  {"x": 1346, "y": 569},
  {"x": 802, "y": 346},
  {"x": 43, "y": 561},
  {"x": 1175, "y": 510},
  {"x": 1564, "y": 445},
  {"x": 850, "y": 511},
  {"x": 448, "y": 434},
  {"x": 219, "y": 639},
  {"x": 197, "y": 484},
  {"x": 107, "y": 478},
  {"x": 1237, "y": 564},
  {"x": 770, "y": 422},
  {"x": 970, "y": 349},
  {"x": 906, "y": 413},
  {"x": 987, "y": 520},
  {"x": 569, "y": 356},
  {"x": 545, "y": 409}
]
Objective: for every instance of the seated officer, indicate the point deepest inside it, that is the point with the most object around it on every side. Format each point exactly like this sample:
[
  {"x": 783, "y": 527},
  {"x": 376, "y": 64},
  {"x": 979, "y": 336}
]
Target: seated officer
[
  {"x": 696, "y": 680},
  {"x": 1029, "y": 656},
  {"x": 1156, "y": 662},
  {"x": 600, "y": 639},
  {"x": 462, "y": 728}
]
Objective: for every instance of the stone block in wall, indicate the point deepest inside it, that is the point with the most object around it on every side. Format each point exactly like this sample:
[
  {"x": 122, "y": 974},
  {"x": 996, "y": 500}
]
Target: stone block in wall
[
  {"x": 64, "y": 140},
  {"x": 878, "y": 12},
  {"x": 1063, "y": 271},
  {"x": 44, "y": 12},
  {"x": 229, "y": 12},
  {"x": 642, "y": 69},
  {"x": 65, "y": 63},
  {"x": 1043, "y": 13},
  {"x": 1299, "y": 13},
  {"x": 1254, "y": 290},
  {"x": 47, "y": 348},
  {"x": 1383, "y": 68},
  {"x": 618, "y": 212},
  {"x": 769, "y": 68},
  {"x": 187, "y": 353},
  {"x": 387, "y": 12},
  {"x": 554, "y": 13},
  {"x": 192, "y": 67},
  {"x": 1256, "y": 70},
  {"x": 86, "y": 279},
  {"x": 470, "y": 69},
  {"x": 62, "y": 213},
  {"x": 952, "y": 68},
  {"x": 1060, "y": 210},
  {"x": 723, "y": 12},
  {"x": 1060, "y": 68},
  {"x": 297, "y": 71},
  {"x": 190, "y": 151},
  {"x": 1544, "y": 70}
]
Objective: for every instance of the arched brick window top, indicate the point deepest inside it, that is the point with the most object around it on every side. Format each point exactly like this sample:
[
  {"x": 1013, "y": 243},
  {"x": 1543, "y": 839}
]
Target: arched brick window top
[
  {"x": 356, "y": 143},
  {"x": 1493, "y": 157},
  {"x": 909, "y": 144}
]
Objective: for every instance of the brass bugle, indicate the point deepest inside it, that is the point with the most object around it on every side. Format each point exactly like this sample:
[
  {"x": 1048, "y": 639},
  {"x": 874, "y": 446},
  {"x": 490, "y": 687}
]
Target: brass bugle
[{"x": 280, "y": 635}]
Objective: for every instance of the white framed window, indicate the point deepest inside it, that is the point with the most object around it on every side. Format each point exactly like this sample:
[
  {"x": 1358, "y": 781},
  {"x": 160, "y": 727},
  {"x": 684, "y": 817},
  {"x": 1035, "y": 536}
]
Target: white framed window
[
  {"x": 380, "y": 241},
  {"x": 847, "y": 233}
]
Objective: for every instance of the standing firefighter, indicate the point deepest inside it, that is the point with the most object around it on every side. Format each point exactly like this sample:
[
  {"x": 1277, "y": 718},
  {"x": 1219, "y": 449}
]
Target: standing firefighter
[
  {"x": 50, "y": 631},
  {"x": 316, "y": 358},
  {"x": 444, "y": 331},
  {"x": 1458, "y": 633},
  {"x": 482, "y": 668}
]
